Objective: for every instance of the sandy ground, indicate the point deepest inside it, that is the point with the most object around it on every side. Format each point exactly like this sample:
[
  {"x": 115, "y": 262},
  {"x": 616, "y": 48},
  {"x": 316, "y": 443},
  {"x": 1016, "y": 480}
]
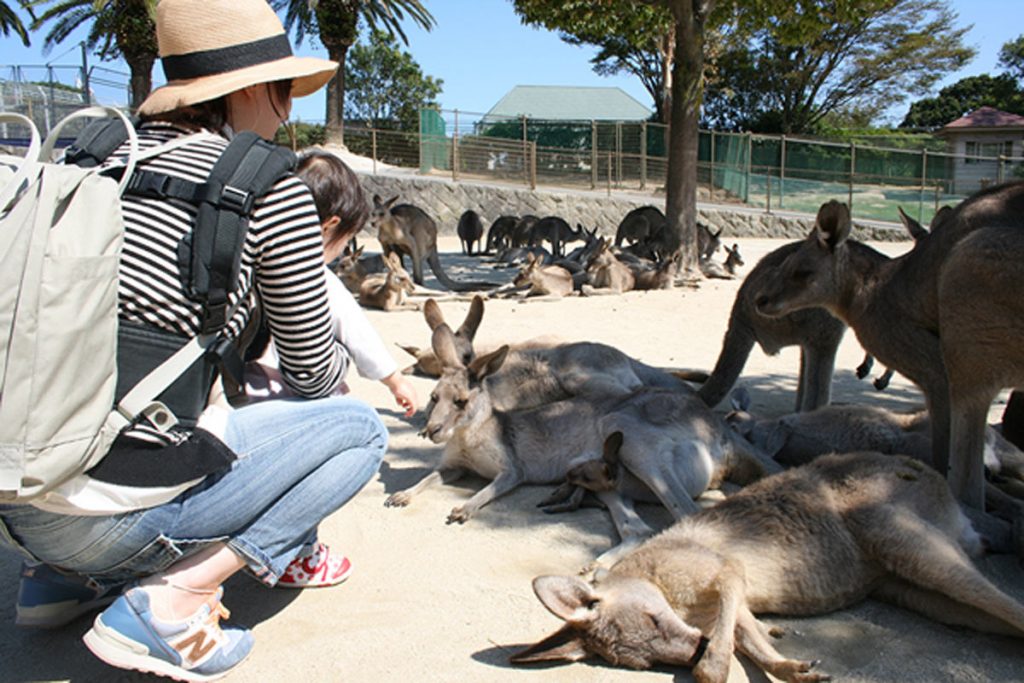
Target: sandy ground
[{"x": 429, "y": 601}]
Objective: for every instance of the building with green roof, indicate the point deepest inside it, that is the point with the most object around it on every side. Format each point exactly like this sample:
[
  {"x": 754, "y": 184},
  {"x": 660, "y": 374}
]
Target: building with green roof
[{"x": 569, "y": 103}]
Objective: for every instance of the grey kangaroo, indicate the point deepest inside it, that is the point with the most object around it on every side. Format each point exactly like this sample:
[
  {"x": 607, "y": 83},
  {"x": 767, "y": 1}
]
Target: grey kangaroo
[
  {"x": 948, "y": 314},
  {"x": 387, "y": 290},
  {"x": 672, "y": 443},
  {"x": 407, "y": 229},
  {"x": 816, "y": 332},
  {"x": 470, "y": 230},
  {"x": 807, "y": 541}
]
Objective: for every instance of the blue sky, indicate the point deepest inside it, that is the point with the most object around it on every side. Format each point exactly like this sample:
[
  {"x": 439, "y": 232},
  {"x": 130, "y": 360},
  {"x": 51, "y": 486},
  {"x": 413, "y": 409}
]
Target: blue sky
[{"x": 480, "y": 50}]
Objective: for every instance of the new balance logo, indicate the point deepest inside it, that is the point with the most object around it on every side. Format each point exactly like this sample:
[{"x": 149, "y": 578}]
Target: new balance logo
[{"x": 201, "y": 643}]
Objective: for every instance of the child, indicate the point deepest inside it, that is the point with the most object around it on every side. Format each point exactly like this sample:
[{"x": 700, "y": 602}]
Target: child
[{"x": 342, "y": 210}]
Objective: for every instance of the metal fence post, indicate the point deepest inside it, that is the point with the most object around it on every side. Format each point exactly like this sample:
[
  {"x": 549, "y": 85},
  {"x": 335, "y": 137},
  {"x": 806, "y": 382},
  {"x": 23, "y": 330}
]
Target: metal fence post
[
  {"x": 526, "y": 152},
  {"x": 618, "y": 153},
  {"x": 609, "y": 174},
  {"x": 749, "y": 164},
  {"x": 1001, "y": 168},
  {"x": 593, "y": 154},
  {"x": 533, "y": 165},
  {"x": 711, "y": 179},
  {"x": 643, "y": 155},
  {"x": 455, "y": 147},
  {"x": 924, "y": 183},
  {"x": 853, "y": 170},
  {"x": 782, "y": 171}
]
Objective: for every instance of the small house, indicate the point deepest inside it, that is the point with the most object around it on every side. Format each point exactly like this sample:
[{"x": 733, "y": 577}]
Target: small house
[{"x": 987, "y": 145}]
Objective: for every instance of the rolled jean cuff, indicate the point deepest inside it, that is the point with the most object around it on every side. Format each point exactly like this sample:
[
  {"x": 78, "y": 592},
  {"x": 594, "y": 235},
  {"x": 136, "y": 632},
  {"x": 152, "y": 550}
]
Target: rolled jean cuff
[{"x": 261, "y": 566}]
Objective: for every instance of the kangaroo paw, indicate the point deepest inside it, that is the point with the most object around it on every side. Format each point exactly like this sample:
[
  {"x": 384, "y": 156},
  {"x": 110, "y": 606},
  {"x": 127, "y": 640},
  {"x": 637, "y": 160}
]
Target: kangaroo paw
[
  {"x": 798, "y": 671},
  {"x": 459, "y": 515},
  {"x": 398, "y": 499}
]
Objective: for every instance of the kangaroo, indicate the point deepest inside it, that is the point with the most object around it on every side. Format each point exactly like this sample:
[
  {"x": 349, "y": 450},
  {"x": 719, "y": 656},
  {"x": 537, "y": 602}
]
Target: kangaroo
[
  {"x": 661, "y": 275},
  {"x": 427, "y": 364},
  {"x": 499, "y": 235},
  {"x": 708, "y": 242},
  {"x": 725, "y": 271},
  {"x": 864, "y": 369},
  {"x": 816, "y": 332},
  {"x": 407, "y": 229},
  {"x": 641, "y": 224},
  {"x": 671, "y": 437},
  {"x": 853, "y": 526},
  {"x": 798, "y": 438},
  {"x": 540, "y": 280},
  {"x": 470, "y": 229},
  {"x": 387, "y": 291},
  {"x": 556, "y": 231},
  {"x": 947, "y": 314},
  {"x": 523, "y": 229},
  {"x": 605, "y": 271}
]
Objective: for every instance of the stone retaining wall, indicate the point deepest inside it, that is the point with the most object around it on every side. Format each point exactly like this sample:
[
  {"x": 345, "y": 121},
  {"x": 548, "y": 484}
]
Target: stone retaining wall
[{"x": 445, "y": 201}]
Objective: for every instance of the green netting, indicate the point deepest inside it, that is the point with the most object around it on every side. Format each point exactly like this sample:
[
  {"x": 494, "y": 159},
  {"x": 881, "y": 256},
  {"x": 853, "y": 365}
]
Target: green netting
[{"x": 434, "y": 142}]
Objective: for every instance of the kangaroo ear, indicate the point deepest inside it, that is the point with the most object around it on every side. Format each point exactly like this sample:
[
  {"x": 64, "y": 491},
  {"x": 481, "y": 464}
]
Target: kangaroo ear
[
  {"x": 443, "y": 343},
  {"x": 832, "y": 226},
  {"x": 568, "y": 598},
  {"x": 389, "y": 203},
  {"x": 377, "y": 201},
  {"x": 413, "y": 351},
  {"x": 473, "y": 317},
  {"x": 432, "y": 313},
  {"x": 610, "y": 451},
  {"x": 564, "y": 645},
  {"x": 488, "y": 364},
  {"x": 915, "y": 229}
]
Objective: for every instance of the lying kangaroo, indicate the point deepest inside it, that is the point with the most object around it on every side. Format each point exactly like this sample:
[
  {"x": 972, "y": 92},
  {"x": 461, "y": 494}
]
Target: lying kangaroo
[
  {"x": 470, "y": 229},
  {"x": 540, "y": 280},
  {"x": 672, "y": 443},
  {"x": 727, "y": 270},
  {"x": 807, "y": 541},
  {"x": 816, "y": 332},
  {"x": 947, "y": 315},
  {"x": 707, "y": 242},
  {"x": 606, "y": 271},
  {"x": 387, "y": 291},
  {"x": 407, "y": 229},
  {"x": 798, "y": 438}
]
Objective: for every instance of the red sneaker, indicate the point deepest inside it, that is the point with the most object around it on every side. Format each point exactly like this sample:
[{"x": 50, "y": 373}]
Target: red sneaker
[{"x": 316, "y": 569}]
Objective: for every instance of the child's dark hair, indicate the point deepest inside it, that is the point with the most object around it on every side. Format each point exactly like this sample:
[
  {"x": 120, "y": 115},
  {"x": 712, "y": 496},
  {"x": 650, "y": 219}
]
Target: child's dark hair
[{"x": 336, "y": 192}]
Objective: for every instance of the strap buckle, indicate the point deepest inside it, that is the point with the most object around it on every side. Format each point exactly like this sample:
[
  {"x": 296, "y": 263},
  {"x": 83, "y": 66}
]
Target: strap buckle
[
  {"x": 234, "y": 199},
  {"x": 149, "y": 184}
]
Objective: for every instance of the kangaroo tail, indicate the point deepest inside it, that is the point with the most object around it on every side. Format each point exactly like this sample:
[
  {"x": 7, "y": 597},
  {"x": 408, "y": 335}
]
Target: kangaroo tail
[
  {"x": 735, "y": 349},
  {"x": 455, "y": 285}
]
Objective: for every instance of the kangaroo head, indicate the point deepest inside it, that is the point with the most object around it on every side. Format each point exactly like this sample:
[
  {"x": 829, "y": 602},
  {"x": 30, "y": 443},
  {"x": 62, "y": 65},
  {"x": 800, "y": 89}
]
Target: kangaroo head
[
  {"x": 626, "y": 621},
  {"x": 599, "y": 475},
  {"x": 807, "y": 278},
  {"x": 459, "y": 398},
  {"x": 381, "y": 211},
  {"x": 733, "y": 260}
]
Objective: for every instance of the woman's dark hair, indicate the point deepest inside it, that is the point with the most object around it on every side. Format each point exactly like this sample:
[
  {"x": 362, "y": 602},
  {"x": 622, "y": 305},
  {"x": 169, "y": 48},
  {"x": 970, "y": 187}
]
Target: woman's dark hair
[
  {"x": 213, "y": 114},
  {"x": 336, "y": 192}
]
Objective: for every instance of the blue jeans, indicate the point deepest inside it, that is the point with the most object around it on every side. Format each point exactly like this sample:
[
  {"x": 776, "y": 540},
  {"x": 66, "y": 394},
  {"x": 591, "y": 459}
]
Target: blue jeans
[{"x": 299, "y": 461}]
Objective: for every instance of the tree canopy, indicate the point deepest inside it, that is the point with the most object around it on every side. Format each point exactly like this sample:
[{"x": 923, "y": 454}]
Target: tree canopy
[
  {"x": 789, "y": 70},
  {"x": 386, "y": 87}
]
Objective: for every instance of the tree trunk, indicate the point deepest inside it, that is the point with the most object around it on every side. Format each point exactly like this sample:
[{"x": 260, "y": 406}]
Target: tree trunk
[
  {"x": 687, "y": 91},
  {"x": 335, "y": 113},
  {"x": 141, "y": 79}
]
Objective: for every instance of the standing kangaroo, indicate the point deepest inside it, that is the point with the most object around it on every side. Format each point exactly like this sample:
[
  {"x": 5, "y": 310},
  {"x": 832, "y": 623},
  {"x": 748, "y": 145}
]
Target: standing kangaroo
[
  {"x": 407, "y": 229},
  {"x": 470, "y": 229},
  {"x": 816, "y": 332},
  {"x": 807, "y": 541},
  {"x": 948, "y": 314}
]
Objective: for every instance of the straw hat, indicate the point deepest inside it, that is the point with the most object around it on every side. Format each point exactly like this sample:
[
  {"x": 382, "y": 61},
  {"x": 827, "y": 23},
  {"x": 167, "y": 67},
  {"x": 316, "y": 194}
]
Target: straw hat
[{"x": 210, "y": 48}]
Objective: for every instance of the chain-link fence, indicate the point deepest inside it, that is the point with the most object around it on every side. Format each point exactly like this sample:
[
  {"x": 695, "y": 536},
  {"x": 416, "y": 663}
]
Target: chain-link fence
[{"x": 769, "y": 172}]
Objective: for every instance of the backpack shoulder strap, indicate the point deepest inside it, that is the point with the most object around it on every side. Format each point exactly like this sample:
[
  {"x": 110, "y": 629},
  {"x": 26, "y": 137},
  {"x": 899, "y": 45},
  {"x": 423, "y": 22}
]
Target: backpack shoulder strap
[
  {"x": 246, "y": 171},
  {"x": 97, "y": 141}
]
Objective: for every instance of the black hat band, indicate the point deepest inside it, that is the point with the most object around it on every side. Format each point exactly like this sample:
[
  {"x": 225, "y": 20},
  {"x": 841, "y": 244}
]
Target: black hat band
[{"x": 226, "y": 59}]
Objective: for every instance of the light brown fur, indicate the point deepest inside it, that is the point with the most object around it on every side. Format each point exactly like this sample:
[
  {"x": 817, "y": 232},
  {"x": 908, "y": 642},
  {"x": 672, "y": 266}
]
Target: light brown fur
[
  {"x": 807, "y": 541},
  {"x": 387, "y": 291}
]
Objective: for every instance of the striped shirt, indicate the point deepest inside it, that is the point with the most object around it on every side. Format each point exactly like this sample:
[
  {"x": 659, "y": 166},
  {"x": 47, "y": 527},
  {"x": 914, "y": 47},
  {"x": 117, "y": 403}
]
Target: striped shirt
[{"x": 282, "y": 262}]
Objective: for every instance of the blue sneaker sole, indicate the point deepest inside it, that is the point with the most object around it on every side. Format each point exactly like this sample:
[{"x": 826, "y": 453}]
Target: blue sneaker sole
[{"x": 124, "y": 653}]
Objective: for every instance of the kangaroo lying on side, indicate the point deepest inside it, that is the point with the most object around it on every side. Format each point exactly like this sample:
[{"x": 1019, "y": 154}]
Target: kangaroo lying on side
[
  {"x": 798, "y": 438},
  {"x": 407, "y": 229},
  {"x": 807, "y": 541},
  {"x": 387, "y": 291},
  {"x": 948, "y": 314},
  {"x": 725, "y": 271},
  {"x": 673, "y": 443},
  {"x": 540, "y": 280},
  {"x": 606, "y": 271}
]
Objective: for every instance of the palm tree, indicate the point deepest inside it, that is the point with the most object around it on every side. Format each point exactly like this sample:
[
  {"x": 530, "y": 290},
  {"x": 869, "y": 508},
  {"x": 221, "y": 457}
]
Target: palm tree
[
  {"x": 9, "y": 21},
  {"x": 335, "y": 22},
  {"x": 120, "y": 28}
]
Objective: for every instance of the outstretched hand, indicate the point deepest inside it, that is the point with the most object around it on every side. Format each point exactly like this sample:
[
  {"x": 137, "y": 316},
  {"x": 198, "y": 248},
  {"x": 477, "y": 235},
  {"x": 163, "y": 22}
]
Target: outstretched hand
[{"x": 403, "y": 391}]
